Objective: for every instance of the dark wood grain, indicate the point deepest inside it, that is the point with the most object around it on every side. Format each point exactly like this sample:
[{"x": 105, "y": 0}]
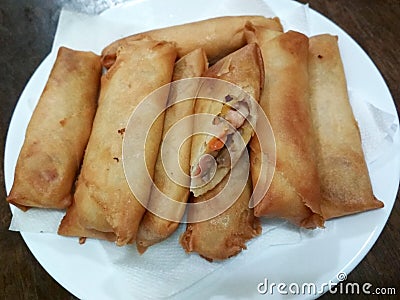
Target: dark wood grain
[{"x": 26, "y": 32}]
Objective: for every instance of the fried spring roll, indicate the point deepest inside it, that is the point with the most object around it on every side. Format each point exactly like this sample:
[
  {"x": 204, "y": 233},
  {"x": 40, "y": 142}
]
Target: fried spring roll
[
  {"x": 345, "y": 182},
  {"x": 57, "y": 133},
  {"x": 243, "y": 68},
  {"x": 103, "y": 199},
  {"x": 294, "y": 193},
  {"x": 226, "y": 234},
  {"x": 217, "y": 36},
  {"x": 154, "y": 229},
  {"x": 70, "y": 226}
]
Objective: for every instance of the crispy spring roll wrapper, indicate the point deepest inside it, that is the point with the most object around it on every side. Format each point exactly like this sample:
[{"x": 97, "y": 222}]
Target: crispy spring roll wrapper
[
  {"x": 294, "y": 193},
  {"x": 345, "y": 182},
  {"x": 70, "y": 226},
  {"x": 154, "y": 229},
  {"x": 103, "y": 199},
  {"x": 243, "y": 68},
  {"x": 226, "y": 234},
  {"x": 57, "y": 133},
  {"x": 217, "y": 36}
]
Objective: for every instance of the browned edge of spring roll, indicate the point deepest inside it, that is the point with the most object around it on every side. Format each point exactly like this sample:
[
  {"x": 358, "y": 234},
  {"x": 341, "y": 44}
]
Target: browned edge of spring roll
[
  {"x": 345, "y": 182},
  {"x": 217, "y": 36},
  {"x": 70, "y": 226},
  {"x": 104, "y": 201},
  {"x": 57, "y": 133},
  {"x": 154, "y": 229},
  {"x": 226, "y": 234},
  {"x": 294, "y": 193}
]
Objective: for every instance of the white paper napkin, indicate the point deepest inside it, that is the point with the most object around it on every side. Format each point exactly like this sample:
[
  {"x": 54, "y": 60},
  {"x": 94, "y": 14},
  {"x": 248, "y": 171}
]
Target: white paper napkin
[
  {"x": 166, "y": 264},
  {"x": 36, "y": 220},
  {"x": 90, "y": 7},
  {"x": 377, "y": 127},
  {"x": 297, "y": 20}
]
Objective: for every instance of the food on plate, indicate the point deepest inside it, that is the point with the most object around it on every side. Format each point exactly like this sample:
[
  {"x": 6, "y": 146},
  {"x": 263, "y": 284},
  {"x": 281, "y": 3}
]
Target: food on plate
[
  {"x": 218, "y": 36},
  {"x": 103, "y": 199},
  {"x": 318, "y": 170},
  {"x": 294, "y": 193},
  {"x": 226, "y": 234},
  {"x": 57, "y": 133},
  {"x": 233, "y": 118},
  {"x": 154, "y": 228},
  {"x": 70, "y": 226},
  {"x": 345, "y": 181}
]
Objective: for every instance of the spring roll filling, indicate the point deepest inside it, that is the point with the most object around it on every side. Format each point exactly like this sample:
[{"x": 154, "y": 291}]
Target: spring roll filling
[{"x": 220, "y": 147}]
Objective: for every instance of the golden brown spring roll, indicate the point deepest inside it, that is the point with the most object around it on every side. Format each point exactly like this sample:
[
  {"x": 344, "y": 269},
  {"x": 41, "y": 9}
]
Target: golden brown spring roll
[
  {"x": 70, "y": 226},
  {"x": 154, "y": 229},
  {"x": 294, "y": 193},
  {"x": 58, "y": 132},
  {"x": 217, "y": 36},
  {"x": 104, "y": 201},
  {"x": 226, "y": 234},
  {"x": 345, "y": 182},
  {"x": 244, "y": 68}
]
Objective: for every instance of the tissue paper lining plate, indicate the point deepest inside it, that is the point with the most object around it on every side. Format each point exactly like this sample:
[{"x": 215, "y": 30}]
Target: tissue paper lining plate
[{"x": 85, "y": 271}]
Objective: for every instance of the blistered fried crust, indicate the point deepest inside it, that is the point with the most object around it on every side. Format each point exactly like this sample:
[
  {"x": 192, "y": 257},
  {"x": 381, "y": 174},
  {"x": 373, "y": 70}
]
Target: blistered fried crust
[
  {"x": 345, "y": 181},
  {"x": 294, "y": 193},
  {"x": 58, "y": 132},
  {"x": 103, "y": 199},
  {"x": 70, "y": 226},
  {"x": 154, "y": 229},
  {"x": 225, "y": 235},
  {"x": 217, "y": 36}
]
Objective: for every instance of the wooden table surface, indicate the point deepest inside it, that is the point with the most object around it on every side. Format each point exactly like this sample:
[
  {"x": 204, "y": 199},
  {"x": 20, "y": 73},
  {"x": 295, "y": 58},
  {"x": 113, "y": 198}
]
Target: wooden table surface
[{"x": 26, "y": 33}]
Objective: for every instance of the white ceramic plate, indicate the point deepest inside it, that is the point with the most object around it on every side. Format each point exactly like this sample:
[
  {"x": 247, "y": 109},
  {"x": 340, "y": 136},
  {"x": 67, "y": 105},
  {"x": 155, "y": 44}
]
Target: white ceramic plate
[{"x": 85, "y": 271}]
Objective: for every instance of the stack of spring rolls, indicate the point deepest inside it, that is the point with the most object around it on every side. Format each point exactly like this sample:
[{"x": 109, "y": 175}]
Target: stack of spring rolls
[{"x": 72, "y": 154}]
